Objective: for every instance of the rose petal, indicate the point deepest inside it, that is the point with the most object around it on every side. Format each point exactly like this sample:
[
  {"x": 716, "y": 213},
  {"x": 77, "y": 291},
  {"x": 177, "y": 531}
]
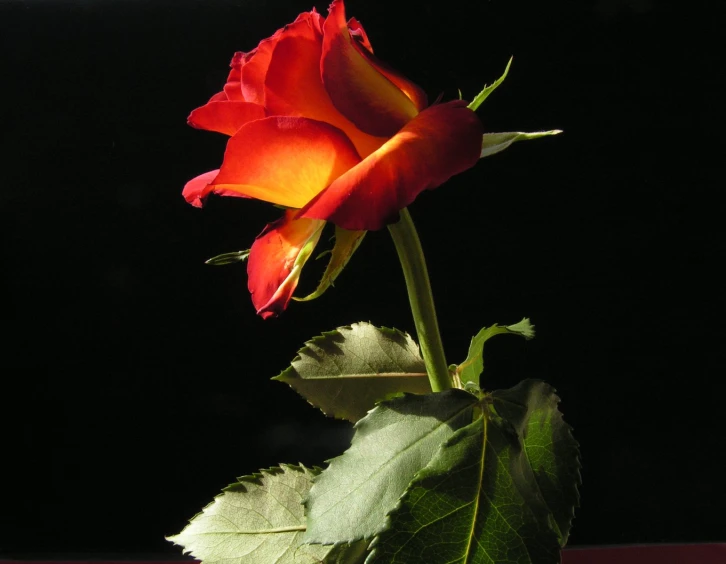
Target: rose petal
[
  {"x": 412, "y": 91},
  {"x": 232, "y": 89},
  {"x": 363, "y": 45},
  {"x": 276, "y": 260},
  {"x": 254, "y": 69},
  {"x": 225, "y": 117},
  {"x": 293, "y": 86},
  {"x": 440, "y": 142},
  {"x": 359, "y": 34},
  {"x": 285, "y": 161},
  {"x": 197, "y": 188},
  {"x": 358, "y": 90}
]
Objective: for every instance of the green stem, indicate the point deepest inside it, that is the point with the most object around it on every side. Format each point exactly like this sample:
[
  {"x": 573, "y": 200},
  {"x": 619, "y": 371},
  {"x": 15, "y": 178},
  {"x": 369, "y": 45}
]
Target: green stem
[{"x": 410, "y": 253}]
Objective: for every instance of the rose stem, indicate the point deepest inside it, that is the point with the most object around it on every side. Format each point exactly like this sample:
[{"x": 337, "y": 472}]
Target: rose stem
[{"x": 410, "y": 253}]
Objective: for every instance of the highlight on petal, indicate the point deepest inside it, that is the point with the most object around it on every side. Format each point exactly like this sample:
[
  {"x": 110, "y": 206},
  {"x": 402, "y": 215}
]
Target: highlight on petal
[
  {"x": 225, "y": 116},
  {"x": 197, "y": 188},
  {"x": 440, "y": 142},
  {"x": 358, "y": 90},
  {"x": 285, "y": 161},
  {"x": 293, "y": 86},
  {"x": 276, "y": 260}
]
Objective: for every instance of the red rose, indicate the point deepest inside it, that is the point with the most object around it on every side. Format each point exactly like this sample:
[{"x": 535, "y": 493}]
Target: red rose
[{"x": 320, "y": 126}]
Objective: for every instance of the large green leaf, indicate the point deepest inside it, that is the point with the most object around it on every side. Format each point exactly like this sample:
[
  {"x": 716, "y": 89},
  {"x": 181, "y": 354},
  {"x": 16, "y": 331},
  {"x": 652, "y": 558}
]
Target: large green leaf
[
  {"x": 346, "y": 243},
  {"x": 350, "y": 499},
  {"x": 552, "y": 452},
  {"x": 260, "y": 518},
  {"x": 481, "y": 498},
  {"x": 473, "y": 366},
  {"x": 347, "y": 371}
]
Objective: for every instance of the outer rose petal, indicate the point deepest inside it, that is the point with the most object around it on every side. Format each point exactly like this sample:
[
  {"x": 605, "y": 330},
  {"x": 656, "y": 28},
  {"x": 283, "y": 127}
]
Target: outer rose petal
[
  {"x": 256, "y": 64},
  {"x": 293, "y": 86},
  {"x": 440, "y": 142},
  {"x": 359, "y": 91},
  {"x": 285, "y": 161},
  {"x": 276, "y": 260},
  {"x": 225, "y": 117},
  {"x": 197, "y": 188}
]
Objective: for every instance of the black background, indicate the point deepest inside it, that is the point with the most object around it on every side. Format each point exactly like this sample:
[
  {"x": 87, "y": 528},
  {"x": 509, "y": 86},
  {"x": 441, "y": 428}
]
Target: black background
[{"x": 136, "y": 379}]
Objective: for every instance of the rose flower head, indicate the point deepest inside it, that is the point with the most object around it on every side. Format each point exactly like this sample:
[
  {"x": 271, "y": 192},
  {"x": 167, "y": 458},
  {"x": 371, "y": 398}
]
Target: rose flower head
[{"x": 319, "y": 126}]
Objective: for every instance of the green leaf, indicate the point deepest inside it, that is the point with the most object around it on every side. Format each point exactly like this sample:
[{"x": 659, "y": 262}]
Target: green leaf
[
  {"x": 493, "y": 143},
  {"x": 260, "y": 518},
  {"x": 347, "y": 371},
  {"x": 346, "y": 243},
  {"x": 228, "y": 258},
  {"x": 531, "y": 407},
  {"x": 484, "y": 94},
  {"x": 473, "y": 366},
  {"x": 481, "y": 498},
  {"x": 350, "y": 499}
]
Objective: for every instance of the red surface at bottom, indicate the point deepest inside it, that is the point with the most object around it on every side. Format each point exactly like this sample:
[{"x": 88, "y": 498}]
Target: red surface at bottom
[
  {"x": 645, "y": 554},
  {"x": 648, "y": 554}
]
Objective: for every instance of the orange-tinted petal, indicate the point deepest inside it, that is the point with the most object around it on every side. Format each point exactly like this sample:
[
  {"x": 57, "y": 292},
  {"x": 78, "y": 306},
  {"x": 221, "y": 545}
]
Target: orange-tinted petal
[
  {"x": 276, "y": 260},
  {"x": 358, "y": 90},
  {"x": 359, "y": 34},
  {"x": 440, "y": 142},
  {"x": 363, "y": 44},
  {"x": 412, "y": 91},
  {"x": 285, "y": 161},
  {"x": 293, "y": 86},
  {"x": 225, "y": 116}
]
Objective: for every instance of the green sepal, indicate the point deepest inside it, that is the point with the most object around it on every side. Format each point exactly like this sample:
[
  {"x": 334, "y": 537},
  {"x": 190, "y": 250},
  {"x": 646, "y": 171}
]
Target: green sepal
[
  {"x": 260, "y": 518},
  {"x": 484, "y": 94},
  {"x": 486, "y": 495},
  {"x": 229, "y": 258},
  {"x": 346, "y": 243},
  {"x": 350, "y": 499},
  {"x": 493, "y": 143},
  {"x": 345, "y": 372},
  {"x": 471, "y": 369}
]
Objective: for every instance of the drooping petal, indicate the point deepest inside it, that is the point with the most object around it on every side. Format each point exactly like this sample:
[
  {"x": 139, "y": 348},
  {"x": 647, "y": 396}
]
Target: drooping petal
[
  {"x": 225, "y": 116},
  {"x": 276, "y": 260},
  {"x": 197, "y": 188},
  {"x": 285, "y": 161},
  {"x": 440, "y": 142},
  {"x": 293, "y": 86},
  {"x": 358, "y": 90}
]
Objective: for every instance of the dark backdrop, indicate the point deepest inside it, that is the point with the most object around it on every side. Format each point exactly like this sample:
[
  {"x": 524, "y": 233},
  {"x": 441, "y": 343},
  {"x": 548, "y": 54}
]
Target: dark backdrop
[{"x": 136, "y": 379}]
